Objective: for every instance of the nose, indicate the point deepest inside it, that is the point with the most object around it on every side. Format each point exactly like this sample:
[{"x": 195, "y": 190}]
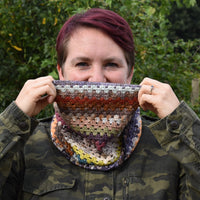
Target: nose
[{"x": 97, "y": 74}]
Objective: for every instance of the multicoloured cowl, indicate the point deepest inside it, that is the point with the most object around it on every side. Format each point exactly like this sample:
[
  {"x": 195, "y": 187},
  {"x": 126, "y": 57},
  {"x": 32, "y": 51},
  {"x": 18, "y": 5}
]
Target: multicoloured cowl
[{"x": 96, "y": 125}]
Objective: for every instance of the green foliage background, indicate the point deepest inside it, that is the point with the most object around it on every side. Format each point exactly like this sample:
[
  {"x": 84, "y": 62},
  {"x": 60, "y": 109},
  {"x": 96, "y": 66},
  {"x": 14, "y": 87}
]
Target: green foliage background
[{"x": 29, "y": 29}]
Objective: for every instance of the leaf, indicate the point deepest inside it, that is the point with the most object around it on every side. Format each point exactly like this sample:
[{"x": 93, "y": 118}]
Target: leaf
[
  {"x": 44, "y": 21},
  {"x": 16, "y": 48},
  {"x": 109, "y": 3},
  {"x": 54, "y": 74},
  {"x": 150, "y": 11}
]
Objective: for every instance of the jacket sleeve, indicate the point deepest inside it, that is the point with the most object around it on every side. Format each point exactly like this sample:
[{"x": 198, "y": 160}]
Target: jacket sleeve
[
  {"x": 179, "y": 135},
  {"x": 15, "y": 128}
]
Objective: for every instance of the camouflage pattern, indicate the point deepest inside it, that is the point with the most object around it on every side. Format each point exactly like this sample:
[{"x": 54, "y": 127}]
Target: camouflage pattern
[{"x": 164, "y": 165}]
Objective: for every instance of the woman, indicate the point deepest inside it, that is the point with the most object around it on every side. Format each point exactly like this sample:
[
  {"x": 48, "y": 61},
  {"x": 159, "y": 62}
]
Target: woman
[{"x": 97, "y": 46}]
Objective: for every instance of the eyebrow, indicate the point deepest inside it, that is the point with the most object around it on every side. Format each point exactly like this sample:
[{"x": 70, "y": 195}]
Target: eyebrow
[
  {"x": 80, "y": 58},
  {"x": 114, "y": 59}
]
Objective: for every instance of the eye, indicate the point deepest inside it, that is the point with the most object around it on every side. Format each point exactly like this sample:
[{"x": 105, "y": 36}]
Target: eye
[
  {"x": 112, "y": 64},
  {"x": 82, "y": 64}
]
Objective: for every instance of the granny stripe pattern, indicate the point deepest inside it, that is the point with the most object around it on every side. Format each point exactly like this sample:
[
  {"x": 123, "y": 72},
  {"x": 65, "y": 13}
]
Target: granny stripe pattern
[{"x": 96, "y": 125}]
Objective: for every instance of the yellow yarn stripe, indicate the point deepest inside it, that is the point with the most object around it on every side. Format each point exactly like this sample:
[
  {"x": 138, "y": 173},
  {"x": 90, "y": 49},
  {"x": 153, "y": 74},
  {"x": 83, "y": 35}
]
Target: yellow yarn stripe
[{"x": 91, "y": 159}]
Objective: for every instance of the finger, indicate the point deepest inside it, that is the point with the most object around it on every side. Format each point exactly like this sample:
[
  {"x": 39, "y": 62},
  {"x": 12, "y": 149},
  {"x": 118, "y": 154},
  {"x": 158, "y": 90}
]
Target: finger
[
  {"x": 39, "y": 82},
  {"x": 144, "y": 100},
  {"x": 148, "y": 90},
  {"x": 39, "y": 87},
  {"x": 149, "y": 81},
  {"x": 51, "y": 98},
  {"x": 48, "y": 90},
  {"x": 35, "y": 90}
]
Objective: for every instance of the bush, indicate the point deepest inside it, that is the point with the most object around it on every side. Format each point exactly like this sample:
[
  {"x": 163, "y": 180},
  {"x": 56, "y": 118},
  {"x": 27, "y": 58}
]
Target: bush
[{"x": 28, "y": 35}]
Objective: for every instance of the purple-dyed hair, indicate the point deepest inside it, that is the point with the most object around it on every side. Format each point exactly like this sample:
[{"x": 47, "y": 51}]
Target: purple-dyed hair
[{"x": 108, "y": 22}]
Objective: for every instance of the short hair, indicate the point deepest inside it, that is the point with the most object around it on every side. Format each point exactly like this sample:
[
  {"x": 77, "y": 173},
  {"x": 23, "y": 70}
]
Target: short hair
[{"x": 108, "y": 22}]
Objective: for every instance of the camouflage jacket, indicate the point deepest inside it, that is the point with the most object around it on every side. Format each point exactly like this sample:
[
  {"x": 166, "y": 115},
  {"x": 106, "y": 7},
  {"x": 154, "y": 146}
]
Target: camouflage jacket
[{"x": 164, "y": 165}]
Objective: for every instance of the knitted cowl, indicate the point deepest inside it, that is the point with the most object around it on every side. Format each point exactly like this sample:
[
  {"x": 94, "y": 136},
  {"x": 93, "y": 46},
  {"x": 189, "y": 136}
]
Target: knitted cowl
[{"x": 96, "y": 125}]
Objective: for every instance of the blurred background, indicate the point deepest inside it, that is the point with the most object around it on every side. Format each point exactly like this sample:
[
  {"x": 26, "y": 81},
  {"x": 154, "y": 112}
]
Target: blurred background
[{"x": 166, "y": 34}]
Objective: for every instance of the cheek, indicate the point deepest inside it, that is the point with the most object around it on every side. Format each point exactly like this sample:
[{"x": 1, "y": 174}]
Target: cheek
[
  {"x": 117, "y": 77},
  {"x": 74, "y": 75}
]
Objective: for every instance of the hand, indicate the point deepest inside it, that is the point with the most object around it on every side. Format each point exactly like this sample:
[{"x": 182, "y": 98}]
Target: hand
[
  {"x": 157, "y": 97},
  {"x": 35, "y": 95}
]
